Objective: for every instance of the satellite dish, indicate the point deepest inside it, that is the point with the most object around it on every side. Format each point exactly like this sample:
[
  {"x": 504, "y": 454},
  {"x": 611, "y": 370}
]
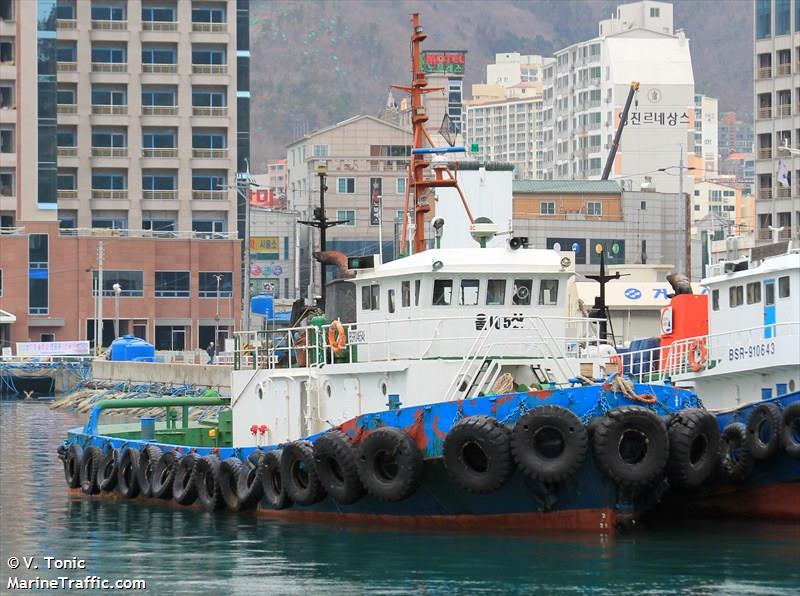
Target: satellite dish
[{"x": 482, "y": 230}]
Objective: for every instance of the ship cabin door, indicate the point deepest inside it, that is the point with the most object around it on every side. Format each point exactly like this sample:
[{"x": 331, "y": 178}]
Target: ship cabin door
[{"x": 769, "y": 308}]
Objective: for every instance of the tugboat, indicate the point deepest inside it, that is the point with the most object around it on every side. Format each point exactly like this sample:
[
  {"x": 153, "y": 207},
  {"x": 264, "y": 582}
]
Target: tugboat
[{"x": 448, "y": 388}]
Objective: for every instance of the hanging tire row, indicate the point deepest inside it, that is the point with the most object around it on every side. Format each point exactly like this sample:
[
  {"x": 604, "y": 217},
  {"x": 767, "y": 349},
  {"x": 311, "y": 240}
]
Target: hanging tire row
[{"x": 631, "y": 445}]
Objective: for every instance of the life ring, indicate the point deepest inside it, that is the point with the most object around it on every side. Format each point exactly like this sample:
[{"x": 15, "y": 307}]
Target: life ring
[
  {"x": 764, "y": 428},
  {"x": 72, "y": 465},
  {"x": 549, "y": 443},
  {"x": 390, "y": 464},
  {"x": 477, "y": 454},
  {"x": 337, "y": 338},
  {"x": 631, "y": 445},
  {"x": 736, "y": 461},
  {"x": 89, "y": 470},
  {"x": 299, "y": 475},
  {"x": 127, "y": 470},
  {"x": 184, "y": 492},
  {"x": 617, "y": 359},
  {"x": 791, "y": 430},
  {"x": 206, "y": 480},
  {"x": 249, "y": 485},
  {"x": 148, "y": 458},
  {"x": 272, "y": 481},
  {"x": 337, "y": 468},
  {"x": 164, "y": 475},
  {"x": 229, "y": 471},
  {"x": 693, "y": 447},
  {"x": 698, "y": 355},
  {"x": 107, "y": 469}
]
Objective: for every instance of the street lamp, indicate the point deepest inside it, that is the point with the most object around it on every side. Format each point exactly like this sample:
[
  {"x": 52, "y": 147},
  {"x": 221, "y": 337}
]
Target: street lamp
[
  {"x": 218, "y": 277},
  {"x": 117, "y": 291}
]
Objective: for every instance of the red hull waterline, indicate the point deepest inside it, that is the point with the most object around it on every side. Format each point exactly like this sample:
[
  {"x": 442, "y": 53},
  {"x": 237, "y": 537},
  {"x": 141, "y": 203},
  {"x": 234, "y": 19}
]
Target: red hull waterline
[
  {"x": 777, "y": 502},
  {"x": 581, "y": 520}
]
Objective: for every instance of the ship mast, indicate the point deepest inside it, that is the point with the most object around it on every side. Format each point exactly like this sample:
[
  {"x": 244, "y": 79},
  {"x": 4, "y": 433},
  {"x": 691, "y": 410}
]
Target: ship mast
[{"x": 418, "y": 184}]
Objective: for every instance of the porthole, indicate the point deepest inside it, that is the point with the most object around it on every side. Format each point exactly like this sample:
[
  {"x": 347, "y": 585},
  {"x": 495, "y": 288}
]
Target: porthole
[
  {"x": 260, "y": 392},
  {"x": 384, "y": 388},
  {"x": 328, "y": 389},
  {"x": 792, "y": 385}
]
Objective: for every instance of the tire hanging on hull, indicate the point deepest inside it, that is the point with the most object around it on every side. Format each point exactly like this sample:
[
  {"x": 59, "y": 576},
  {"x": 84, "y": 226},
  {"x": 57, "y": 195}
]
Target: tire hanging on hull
[
  {"x": 390, "y": 464},
  {"x": 127, "y": 472},
  {"x": 336, "y": 464},
  {"x": 89, "y": 470},
  {"x": 148, "y": 459},
  {"x": 477, "y": 454},
  {"x": 299, "y": 475},
  {"x": 736, "y": 460},
  {"x": 693, "y": 447},
  {"x": 72, "y": 465},
  {"x": 272, "y": 481},
  {"x": 164, "y": 475},
  {"x": 184, "y": 492},
  {"x": 764, "y": 431},
  {"x": 205, "y": 478},
  {"x": 790, "y": 432},
  {"x": 106, "y": 469}
]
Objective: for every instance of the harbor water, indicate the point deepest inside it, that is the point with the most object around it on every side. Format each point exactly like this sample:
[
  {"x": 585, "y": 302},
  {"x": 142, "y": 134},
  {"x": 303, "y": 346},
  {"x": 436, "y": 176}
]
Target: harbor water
[{"x": 191, "y": 552}]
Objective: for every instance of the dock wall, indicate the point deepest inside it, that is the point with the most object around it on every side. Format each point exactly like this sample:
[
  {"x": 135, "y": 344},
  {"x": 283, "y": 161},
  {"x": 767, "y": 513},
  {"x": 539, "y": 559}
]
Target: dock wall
[{"x": 216, "y": 376}]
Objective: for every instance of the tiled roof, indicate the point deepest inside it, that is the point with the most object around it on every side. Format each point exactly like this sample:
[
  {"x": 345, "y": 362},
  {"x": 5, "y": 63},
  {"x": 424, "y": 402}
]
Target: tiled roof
[{"x": 566, "y": 187}]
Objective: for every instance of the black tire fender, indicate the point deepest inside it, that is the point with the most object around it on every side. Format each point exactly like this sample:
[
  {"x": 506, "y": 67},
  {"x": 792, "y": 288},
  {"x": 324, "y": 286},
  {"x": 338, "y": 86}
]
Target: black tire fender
[
  {"x": 72, "y": 465},
  {"x": 249, "y": 483},
  {"x": 205, "y": 478},
  {"x": 148, "y": 459},
  {"x": 764, "y": 428},
  {"x": 184, "y": 492},
  {"x": 477, "y": 454},
  {"x": 693, "y": 447},
  {"x": 272, "y": 481},
  {"x": 106, "y": 469},
  {"x": 229, "y": 471},
  {"x": 736, "y": 459},
  {"x": 335, "y": 461},
  {"x": 390, "y": 464},
  {"x": 127, "y": 472},
  {"x": 164, "y": 475},
  {"x": 631, "y": 446},
  {"x": 549, "y": 443},
  {"x": 89, "y": 471},
  {"x": 790, "y": 432},
  {"x": 299, "y": 474}
]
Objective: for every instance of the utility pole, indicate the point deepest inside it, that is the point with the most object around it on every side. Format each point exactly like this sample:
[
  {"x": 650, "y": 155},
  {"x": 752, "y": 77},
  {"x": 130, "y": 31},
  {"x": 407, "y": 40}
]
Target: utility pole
[
  {"x": 98, "y": 329},
  {"x": 117, "y": 291},
  {"x": 218, "y": 277}
]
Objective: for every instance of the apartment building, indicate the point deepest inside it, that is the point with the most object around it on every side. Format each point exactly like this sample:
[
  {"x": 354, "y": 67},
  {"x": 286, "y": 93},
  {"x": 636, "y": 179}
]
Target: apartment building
[
  {"x": 704, "y": 157},
  {"x": 735, "y": 136},
  {"x": 585, "y": 90},
  {"x": 128, "y": 122},
  {"x": 777, "y": 107}
]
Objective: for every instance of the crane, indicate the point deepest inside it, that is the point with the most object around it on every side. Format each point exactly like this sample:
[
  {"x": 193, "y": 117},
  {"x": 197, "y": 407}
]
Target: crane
[{"x": 634, "y": 88}]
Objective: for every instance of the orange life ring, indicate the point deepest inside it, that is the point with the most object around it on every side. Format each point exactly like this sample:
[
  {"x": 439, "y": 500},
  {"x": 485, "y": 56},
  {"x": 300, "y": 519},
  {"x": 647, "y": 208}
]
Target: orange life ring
[
  {"x": 615, "y": 359},
  {"x": 337, "y": 338},
  {"x": 698, "y": 355}
]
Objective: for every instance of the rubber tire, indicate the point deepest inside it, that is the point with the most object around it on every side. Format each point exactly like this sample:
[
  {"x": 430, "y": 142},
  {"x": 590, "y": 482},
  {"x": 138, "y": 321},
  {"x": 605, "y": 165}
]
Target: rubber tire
[
  {"x": 272, "y": 481},
  {"x": 736, "y": 459},
  {"x": 105, "y": 470},
  {"x": 407, "y": 458},
  {"x": 147, "y": 466},
  {"x": 532, "y": 461},
  {"x": 305, "y": 489},
  {"x": 72, "y": 465},
  {"x": 249, "y": 483},
  {"x": 88, "y": 470},
  {"x": 164, "y": 475},
  {"x": 790, "y": 434},
  {"x": 607, "y": 441},
  {"x": 184, "y": 492},
  {"x": 335, "y": 460},
  {"x": 768, "y": 414},
  {"x": 205, "y": 477},
  {"x": 690, "y": 430},
  {"x": 127, "y": 473},
  {"x": 229, "y": 471},
  {"x": 491, "y": 441}
]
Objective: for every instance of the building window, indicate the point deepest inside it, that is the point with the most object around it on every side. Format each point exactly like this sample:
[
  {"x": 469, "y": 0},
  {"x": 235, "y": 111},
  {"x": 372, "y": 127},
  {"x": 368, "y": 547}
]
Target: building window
[
  {"x": 159, "y": 97},
  {"x": 782, "y": 17},
  {"x": 107, "y": 13},
  {"x": 111, "y": 223},
  {"x": 131, "y": 283},
  {"x": 172, "y": 284},
  {"x": 208, "y": 282},
  {"x": 208, "y": 15},
  {"x": 210, "y": 99},
  {"x": 216, "y": 57},
  {"x": 320, "y": 151},
  {"x": 159, "y": 56},
  {"x": 346, "y": 185},
  {"x": 783, "y": 287},
  {"x": 594, "y": 208},
  {"x": 161, "y": 14},
  {"x": 160, "y": 226},
  {"x": 159, "y": 139},
  {"x": 108, "y": 97},
  {"x": 401, "y": 185},
  {"x": 547, "y": 208},
  {"x": 66, "y": 181},
  {"x": 208, "y": 182},
  {"x": 108, "y": 181},
  {"x": 108, "y": 55},
  {"x": 158, "y": 182},
  {"x": 763, "y": 19},
  {"x": 107, "y": 138},
  {"x": 346, "y": 215},
  {"x": 655, "y": 12}
]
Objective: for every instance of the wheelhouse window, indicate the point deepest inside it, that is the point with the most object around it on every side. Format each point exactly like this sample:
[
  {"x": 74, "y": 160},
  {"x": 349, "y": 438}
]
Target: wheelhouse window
[
  {"x": 417, "y": 286},
  {"x": 405, "y": 294},
  {"x": 442, "y": 292},
  {"x": 783, "y": 287},
  {"x": 548, "y": 292},
  {"x": 522, "y": 292},
  {"x": 769, "y": 294},
  {"x": 754, "y": 292},
  {"x": 496, "y": 292},
  {"x": 736, "y": 296},
  {"x": 469, "y": 292},
  {"x": 370, "y": 297},
  {"x": 390, "y": 300},
  {"x": 715, "y": 299}
]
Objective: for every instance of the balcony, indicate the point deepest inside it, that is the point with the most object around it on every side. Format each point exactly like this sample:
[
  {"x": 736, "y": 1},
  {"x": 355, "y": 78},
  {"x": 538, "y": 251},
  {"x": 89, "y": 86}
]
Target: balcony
[
  {"x": 210, "y": 153},
  {"x": 160, "y": 153},
  {"x": 784, "y": 69},
  {"x": 67, "y": 152},
  {"x": 209, "y": 27},
  {"x": 109, "y": 152},
  {"x": 765, "y": 72},
  {"x": 783, "y": 193},
  {"x": 765, "y": 234},
  {"x": 110, "y": 25},
  {"x": 67, "y": 108},
  {"x": 67, "y": 66},
  {"x": 159, "y": 110},
  {"x": 785, "y": 234},
  {"x": 160, "y": 68},
  {"x": 765, "y": 153},
  {"x": 65, "y": 24},
  {"x": 784, "y": 109},
  {"x": 214, "y": 69},
  {"x": 109, "y": 109},
  {"x": 159, "y": 25},
  {"x": 209, "y": 195},
  {"x": 98, "y": 193},
  {"x": 67, "y": 194},
  {"x": 109, "y": 67},
  {"x": 209, "y": 111},
  {"x": 160, "y": 195},
  {"x": 765, "y": 193},
  {"x": 765, "y": 113}
]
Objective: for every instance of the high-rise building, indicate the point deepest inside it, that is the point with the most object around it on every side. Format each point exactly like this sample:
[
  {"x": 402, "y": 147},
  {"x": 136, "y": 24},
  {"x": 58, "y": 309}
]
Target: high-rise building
[
  {"x": 586, "y": 88},
  {"x": 126, "y": 123},
  {"x": 705, "y": 152},
  {"x": 777, "y": 105},
  {"x": 735, "y": 136}
]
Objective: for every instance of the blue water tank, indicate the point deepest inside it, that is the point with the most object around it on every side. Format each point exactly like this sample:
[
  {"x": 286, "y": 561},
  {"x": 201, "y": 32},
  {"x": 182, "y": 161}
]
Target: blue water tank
[
  {"x": 130, "y": 348},
  {"x": 263, "y": 305}
]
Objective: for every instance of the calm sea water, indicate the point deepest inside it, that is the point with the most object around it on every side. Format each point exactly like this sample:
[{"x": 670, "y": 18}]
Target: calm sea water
[{"x": 188, "y": 552}]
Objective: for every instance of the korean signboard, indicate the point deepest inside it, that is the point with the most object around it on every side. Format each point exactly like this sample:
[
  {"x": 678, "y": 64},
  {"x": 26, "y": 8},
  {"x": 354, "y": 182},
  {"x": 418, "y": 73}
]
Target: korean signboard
[
  {"x": 53, "y": 348},
  {"x": 576, "y": 245},
  {"x": 614, "y": 249},
  {"x": 442, "y": 62},
  {"x": 265, "y": 248},
  {"x": 375, "y": 200}
]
